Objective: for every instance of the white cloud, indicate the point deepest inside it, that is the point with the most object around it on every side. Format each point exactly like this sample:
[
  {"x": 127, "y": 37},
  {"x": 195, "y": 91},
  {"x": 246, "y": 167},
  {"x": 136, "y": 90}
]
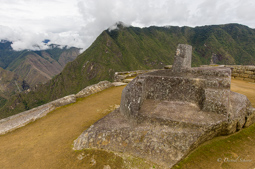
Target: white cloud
[
  {"x": 24, "y": 39},
  {"x": 115, "y": 26},
  {"x": 78, "y": 22},
  {"x": 29, "y": 22},
  {"x": 245, "y": 13},
  {"x": 98, "y": 15}
]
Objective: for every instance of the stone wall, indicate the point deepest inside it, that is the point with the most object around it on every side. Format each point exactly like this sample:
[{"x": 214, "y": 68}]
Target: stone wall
[
  {"x": 206, "y": 87},
  {"x": 128, "y": 76},
  {"x": 246, "y": 73},
  {"x": 241, "y": 72},
  {"x": 16, "y": 121},
  {"x": 19, "y": 120}
]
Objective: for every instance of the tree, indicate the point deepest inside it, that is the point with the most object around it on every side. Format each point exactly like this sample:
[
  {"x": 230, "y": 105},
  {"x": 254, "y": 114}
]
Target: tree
[{"x": 25, "y": 85}]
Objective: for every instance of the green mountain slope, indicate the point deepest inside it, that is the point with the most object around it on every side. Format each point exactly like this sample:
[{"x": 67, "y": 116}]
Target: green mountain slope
[
  {"x": 131, "y": 48},
  {"x": 40, "y": 66},
  {"x": 33, "y": 66},
  {"x": 37, "y": 66},
  {"x": 10, "y": 83}
]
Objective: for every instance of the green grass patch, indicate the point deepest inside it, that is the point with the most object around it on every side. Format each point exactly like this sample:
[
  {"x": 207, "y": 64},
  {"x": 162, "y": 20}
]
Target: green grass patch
[
  {"x": 94, "y": 158},
  {"x": 222, "y": 147}
]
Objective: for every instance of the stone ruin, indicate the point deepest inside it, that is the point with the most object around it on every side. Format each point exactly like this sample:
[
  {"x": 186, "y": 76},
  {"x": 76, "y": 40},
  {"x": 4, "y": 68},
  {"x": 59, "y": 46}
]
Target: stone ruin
[{"x": 165, "y": 114}]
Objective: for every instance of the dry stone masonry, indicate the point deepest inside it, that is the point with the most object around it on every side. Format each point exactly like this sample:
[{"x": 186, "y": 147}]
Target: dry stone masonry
[
  {"x": 240, "y": 72},
  {"x": 167, "y": 113},
  {"x": 246, "y": 73}
]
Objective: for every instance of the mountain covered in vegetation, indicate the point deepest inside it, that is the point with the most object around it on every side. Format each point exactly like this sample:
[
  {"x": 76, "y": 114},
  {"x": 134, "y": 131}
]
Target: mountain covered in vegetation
[
  {"x": 36, "y": 66},
  {"x": 21, "y": 70},
  {"x": 10, "y": 83},
  {"x": 132, "y": 48}
]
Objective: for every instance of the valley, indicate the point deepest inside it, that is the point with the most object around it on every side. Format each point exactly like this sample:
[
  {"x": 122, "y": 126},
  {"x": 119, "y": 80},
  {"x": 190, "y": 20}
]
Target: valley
[{"x": 30, "y": 67}]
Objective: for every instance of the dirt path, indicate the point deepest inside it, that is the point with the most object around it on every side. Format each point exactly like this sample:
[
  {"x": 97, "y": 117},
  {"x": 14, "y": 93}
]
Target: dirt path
[
  {"x": 246, "y": 88},
  {"x": 46, "y": 143}
]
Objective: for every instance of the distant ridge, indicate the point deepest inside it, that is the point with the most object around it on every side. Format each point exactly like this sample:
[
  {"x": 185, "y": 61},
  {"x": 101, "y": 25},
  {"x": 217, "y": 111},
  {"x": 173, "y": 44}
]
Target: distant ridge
[
  {"x": 36, "y": 66},
  {"x": 20, "y": 70}
]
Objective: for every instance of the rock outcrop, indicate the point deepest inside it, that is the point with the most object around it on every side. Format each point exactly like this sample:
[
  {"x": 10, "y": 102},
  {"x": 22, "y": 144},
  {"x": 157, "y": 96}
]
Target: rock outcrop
[{"x": 167, "y": 113}]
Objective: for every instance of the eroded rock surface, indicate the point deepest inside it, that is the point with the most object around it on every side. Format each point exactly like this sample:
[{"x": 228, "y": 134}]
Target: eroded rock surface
[{"x": 167, "y": 113}]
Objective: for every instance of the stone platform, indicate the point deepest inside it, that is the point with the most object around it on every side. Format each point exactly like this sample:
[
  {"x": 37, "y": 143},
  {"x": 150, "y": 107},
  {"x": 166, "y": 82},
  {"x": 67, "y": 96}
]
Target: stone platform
[
  {"x": 178, "y": 113},
  {"x": 167, "y": 113}
]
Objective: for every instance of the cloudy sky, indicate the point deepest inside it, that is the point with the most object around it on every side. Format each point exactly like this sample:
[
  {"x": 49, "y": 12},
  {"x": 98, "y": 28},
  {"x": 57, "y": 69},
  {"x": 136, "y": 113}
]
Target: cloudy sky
[{"x": 79, "y": 22}]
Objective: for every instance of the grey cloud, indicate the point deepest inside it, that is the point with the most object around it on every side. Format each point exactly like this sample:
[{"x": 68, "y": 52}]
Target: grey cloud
[
  {"x": 209, "y": 12},
  {"x": 245, "y": 10}
]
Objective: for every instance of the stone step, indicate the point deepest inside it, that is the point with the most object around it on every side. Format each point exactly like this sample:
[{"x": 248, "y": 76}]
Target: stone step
[
  {"x": 116, "y": 132},
  {"x": 178, "y": 114},
  {"x": 127, "y": 80},
  {"x": 118, "y": 84}
]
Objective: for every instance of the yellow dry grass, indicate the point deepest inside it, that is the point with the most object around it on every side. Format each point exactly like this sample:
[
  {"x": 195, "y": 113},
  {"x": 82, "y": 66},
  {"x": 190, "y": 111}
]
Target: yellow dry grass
[
  {"x": 244, "y": 87},
  {"x": 47, "y": 143}
]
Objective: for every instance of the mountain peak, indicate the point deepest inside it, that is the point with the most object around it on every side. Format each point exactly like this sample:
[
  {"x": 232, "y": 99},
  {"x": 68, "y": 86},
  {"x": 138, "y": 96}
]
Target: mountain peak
[
  {"x": 4, "y": 41},
  {"x": 5, "y": 45},
  {"x": 117, "y": 26},
  {"x": 46, "y": 41}
]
